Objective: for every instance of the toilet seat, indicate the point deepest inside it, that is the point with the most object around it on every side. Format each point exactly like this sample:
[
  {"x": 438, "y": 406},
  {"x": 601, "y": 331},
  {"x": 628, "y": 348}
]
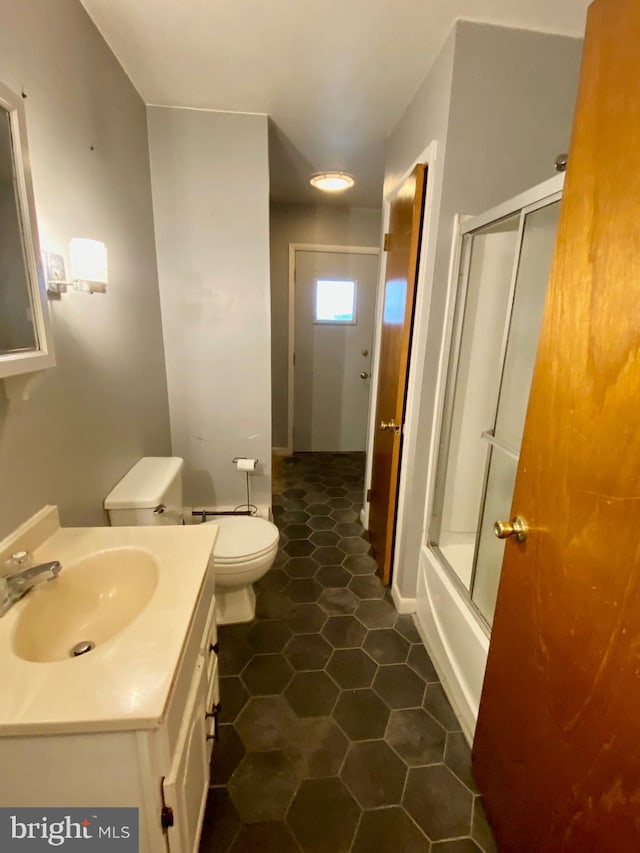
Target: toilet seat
[{"x": 243, "y": 539}]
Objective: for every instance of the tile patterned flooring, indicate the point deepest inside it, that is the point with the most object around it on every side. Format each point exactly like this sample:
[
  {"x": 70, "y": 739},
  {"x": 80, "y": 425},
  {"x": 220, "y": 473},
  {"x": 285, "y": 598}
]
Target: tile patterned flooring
[{"x": 335, "y": 733}]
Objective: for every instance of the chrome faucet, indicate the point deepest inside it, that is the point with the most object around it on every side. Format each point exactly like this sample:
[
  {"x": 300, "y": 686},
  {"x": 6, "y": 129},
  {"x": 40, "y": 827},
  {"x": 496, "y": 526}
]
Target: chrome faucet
[{"x": 18, "y": 583}]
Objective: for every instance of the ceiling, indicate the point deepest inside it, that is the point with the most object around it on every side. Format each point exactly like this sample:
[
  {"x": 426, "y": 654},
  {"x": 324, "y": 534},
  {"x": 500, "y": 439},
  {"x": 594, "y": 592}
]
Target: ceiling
[{"x": 334, "y": 76}]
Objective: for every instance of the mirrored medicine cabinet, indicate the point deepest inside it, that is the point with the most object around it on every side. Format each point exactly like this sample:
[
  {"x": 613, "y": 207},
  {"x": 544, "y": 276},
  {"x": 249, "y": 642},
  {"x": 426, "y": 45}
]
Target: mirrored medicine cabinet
[{"x": 26, "y": 346}]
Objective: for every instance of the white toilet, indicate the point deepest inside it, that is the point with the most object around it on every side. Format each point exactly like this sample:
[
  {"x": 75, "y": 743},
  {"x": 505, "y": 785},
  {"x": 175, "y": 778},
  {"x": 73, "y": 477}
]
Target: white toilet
[{"x": 246, "y": 546}]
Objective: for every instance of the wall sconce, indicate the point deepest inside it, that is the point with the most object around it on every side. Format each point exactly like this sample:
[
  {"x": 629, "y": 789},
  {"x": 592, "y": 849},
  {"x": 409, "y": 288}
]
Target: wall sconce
[
  {"x": 89, "y": 265},
  {"x": 89, "y": 268}
]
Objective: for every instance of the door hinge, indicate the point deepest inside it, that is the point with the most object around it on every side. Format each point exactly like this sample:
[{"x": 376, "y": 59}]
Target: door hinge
[
  {"x": 387, "y": 242},
  {"x": 166, "y": 817},
  {"x": 369, "y": 494}
]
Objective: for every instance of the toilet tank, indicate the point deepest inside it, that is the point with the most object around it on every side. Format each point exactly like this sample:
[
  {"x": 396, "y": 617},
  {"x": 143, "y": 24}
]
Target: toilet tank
[{"x": 154, "y": 482}]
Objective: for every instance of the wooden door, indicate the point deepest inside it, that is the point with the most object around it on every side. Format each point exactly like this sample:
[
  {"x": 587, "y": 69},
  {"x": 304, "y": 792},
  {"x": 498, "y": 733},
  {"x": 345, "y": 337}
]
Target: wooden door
[
  {"x": 331, "y": 394},
  {"x": 403, "y": 256},
  {"x": 557, "y": 747}
]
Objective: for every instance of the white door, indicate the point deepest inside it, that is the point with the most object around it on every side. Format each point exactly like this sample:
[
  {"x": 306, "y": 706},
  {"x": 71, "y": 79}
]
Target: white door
[{"x": 334, "y": 310}]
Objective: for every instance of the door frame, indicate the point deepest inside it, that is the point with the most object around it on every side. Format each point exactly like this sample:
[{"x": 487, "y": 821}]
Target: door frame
[
  {"x": 308, "y": 247},
  {"x": 409, "y": 448}
]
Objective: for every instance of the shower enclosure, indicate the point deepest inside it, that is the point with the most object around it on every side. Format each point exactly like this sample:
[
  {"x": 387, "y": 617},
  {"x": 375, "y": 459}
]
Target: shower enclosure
[
  {"x": 497, "y": 294},
  {"x": 504, "y": 266}
]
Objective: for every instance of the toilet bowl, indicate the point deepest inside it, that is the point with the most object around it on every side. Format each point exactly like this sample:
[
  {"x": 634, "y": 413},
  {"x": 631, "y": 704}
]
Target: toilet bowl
[
  {"x": 246, "y": 546},
  {"x": 244, "y": 552}
]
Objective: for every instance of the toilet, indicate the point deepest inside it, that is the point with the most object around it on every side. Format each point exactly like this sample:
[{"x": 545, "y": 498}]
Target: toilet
[{"x": 246, "y": 546}]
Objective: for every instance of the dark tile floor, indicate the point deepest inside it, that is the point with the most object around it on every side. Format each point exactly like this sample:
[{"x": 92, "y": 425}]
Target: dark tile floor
[{"x": 335, "y": 733}]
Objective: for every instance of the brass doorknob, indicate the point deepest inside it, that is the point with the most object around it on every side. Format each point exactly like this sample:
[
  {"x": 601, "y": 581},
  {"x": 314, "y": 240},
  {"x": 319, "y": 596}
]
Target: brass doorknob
[
  {"x": 364, "y": 375},
  {"x": 390, "y": 425},
  {"x": 517, "y": 527}
]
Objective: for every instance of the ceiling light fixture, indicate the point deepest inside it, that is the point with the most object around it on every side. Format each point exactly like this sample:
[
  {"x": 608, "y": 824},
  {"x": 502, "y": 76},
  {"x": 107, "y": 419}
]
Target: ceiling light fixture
[{"x": 332, "y": 182}]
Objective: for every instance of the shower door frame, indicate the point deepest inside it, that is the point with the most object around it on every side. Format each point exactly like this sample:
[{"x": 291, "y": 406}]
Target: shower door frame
[{"x": 537, "y": 197}]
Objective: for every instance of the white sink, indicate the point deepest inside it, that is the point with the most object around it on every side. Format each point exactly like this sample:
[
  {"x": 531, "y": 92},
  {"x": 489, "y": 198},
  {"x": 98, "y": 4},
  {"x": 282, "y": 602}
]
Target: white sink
[{"x": 89, "y": 602}]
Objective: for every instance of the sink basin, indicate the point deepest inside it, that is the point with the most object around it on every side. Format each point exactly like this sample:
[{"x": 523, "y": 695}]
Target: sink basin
[{"x": 90, "y": 602}]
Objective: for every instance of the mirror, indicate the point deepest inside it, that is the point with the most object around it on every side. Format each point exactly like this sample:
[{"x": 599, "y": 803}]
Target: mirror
[{"x": 25, "y": 342}]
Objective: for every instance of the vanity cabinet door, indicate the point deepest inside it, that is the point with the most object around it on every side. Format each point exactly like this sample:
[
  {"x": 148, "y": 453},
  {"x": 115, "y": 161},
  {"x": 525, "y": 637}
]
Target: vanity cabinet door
[{"x": 185, "y": 788}]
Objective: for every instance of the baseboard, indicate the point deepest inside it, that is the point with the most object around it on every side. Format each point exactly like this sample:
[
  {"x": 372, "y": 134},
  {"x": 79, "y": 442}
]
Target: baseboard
[
  {"x": 281, "y": 451},
  {"x": 403, "y": 605}
]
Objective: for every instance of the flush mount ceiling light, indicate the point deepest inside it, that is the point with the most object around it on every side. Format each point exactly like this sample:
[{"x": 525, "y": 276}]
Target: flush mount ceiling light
[{"x": 332, "y": 182}]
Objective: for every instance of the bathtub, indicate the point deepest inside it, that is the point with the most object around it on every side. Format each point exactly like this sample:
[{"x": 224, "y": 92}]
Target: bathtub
[{"x": 456, "y": 641}]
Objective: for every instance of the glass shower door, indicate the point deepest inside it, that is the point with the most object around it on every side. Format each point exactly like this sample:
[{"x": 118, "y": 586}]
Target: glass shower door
[
  {"x": 504, "y": 269},
  {"x": 534, "y": 265}
]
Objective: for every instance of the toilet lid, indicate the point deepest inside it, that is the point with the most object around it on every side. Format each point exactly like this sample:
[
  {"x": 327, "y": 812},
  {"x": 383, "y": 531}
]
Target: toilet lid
[{"x": 243, "y": 536}]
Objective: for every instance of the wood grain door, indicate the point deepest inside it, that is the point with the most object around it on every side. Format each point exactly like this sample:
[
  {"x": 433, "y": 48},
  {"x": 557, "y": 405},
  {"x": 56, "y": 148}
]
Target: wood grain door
[
  {"x": 557, "y": 747},
  {"x": 403, "y": 256}
]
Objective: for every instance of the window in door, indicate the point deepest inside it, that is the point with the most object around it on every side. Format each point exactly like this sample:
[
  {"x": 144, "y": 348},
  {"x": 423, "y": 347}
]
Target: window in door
[{"x": 335, "y": 302}]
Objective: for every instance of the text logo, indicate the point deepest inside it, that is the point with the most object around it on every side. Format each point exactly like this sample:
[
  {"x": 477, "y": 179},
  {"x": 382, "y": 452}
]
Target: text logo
[{"x": 33, "y": 830}]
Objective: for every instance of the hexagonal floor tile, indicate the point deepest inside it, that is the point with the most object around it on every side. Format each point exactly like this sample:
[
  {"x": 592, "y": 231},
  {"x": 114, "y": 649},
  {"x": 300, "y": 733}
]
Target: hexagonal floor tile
[
  {"x": 458, "y": 845},
  {"x": 294, "y": 493},
  {"x": 351, "y": 668},
  {"x": 299, "y": 548},
  {"x": 338, "y": 601},
  {"x": 367, "y": 586},
  {"x": 416, "y": 737},
  {"x": 318, "y": 509},
  {"x": 438, "y": 802},
  {"x": 324, "y": 538},
  {"x": 302, "y": 590},
  {"x": 389, "y": 831},
  {"x": 315, "y": 746},
  {"x": 321, "y": 522},
  {"x": 374, "y": 774},
  {"x": 262, "y": 786},
  {"x": 386, "y": 646},
  {"x": 336, "y": 491},
  {"x": 376, "y": 614},
  {"x": 293, "y": 516},
  {"x": 273, "y": 581},
  {"x": 328, "y": 555},
  {"x": 266, "y": 675},
  {"x": 221, "y": 822},
  {"x": 228, "y": 753},
  {"x": 348, "y": 528},
  {"x": 269, "y": 636},
  {"x": 301, "y": 567},
  {"x": 437, "y": 704},
  {"x": 234, "y": 655},
  {"x": 399, "y": 686},
  {"x": 420, "y": 661},
  {"x": 344, "y": 632},
  {"x": 361, "y": 714},
  {"x": 457, "y": 757},
  {"x": 333, "y": 576},
  {"x": 308, "y": 651},
  {"x": 311, "y": 694},
  {"x": 407, "y": 627},
  {"x": 269, "y": 837},
  {"x": 271, "y": 605},
  {"x": 344, "y": 515},
  {"x": 296, "y": 531},
  {"x": 353, "y": 545},
  {"x": 317, "y": 497},
  {"x": 323, "y": 816},
  {"x": 360, "y": 564},
  {"x": 233, "y": 698},
  {"x": 305, "y": 618},
  {"x": 480, "y": 829},
  {"x": 265, "y": 723}
]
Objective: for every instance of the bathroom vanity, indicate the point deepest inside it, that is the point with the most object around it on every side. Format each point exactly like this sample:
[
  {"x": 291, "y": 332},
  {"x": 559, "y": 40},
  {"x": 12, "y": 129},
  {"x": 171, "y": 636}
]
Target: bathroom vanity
[{"x": 133, "y": 721}]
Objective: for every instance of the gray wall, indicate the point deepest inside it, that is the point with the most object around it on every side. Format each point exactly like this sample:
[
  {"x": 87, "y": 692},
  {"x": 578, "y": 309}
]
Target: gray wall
[
  {"x": 304, "y": 223},
  {"x": 211, "y": 201},
  {"x": 105, "y": 403},
  {"x": 510, "y": 113}
]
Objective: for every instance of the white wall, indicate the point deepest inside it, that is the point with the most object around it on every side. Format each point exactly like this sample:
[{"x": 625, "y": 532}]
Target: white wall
[
  {"x": 500, "y": 104},
  {"x": 211, "y": 205},
  {"x": 327, "y": 225},
  {"x": 105, "y": 403}
]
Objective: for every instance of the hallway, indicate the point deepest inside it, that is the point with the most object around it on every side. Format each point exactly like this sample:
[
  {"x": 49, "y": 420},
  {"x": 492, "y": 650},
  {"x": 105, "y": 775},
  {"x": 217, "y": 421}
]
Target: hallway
[{"x": 335, "y": 732}]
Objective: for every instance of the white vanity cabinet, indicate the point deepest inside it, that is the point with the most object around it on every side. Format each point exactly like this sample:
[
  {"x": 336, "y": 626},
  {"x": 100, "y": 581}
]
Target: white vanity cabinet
[{"x": 162, "y": 768}]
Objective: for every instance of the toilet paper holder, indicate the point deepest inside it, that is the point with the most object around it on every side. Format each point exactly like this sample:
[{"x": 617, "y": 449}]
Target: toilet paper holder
[{"x": 245, "y": 463}]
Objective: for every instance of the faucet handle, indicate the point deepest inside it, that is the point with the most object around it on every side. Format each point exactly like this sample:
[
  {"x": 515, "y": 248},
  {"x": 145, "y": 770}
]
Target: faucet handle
[{"x": 19, "y": 561}]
